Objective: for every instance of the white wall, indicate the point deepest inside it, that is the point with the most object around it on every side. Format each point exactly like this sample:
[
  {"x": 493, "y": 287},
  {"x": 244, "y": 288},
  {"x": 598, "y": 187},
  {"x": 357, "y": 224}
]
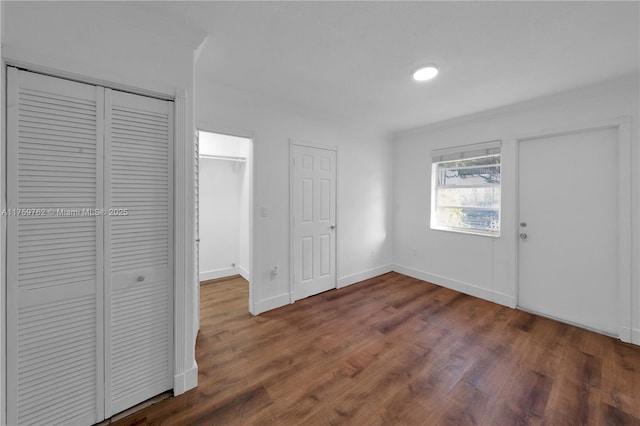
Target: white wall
[
  {"x": 224, "y": 145},
  {"x": 483, "y": 266},
  {"x": 224, "y": 206},
  {"x": 121, "y": 43},
  {"x": 364, "y": 182},
  {"x": 220, "y": 185},
  {"x": 130, "y": 46}
]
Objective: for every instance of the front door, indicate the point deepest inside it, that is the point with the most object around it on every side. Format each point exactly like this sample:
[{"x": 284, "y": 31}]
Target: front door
[{"x": 568, "y": 226}]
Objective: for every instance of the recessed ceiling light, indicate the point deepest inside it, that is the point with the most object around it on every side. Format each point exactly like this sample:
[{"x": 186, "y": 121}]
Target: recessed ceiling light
[{"x": 425, "y": 73}]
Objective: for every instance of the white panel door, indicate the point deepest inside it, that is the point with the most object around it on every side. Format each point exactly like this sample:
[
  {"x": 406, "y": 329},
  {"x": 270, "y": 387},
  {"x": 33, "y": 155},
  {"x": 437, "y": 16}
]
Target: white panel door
[
  {"x": 54, "y": 254},
  {"x": 138, "y": 249},
  {"x": 314, "y": 220},
  {"x": 568, "y": 241}
]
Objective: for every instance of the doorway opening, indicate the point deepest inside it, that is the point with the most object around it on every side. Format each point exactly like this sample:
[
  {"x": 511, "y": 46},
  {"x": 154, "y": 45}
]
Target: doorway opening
[{"x": 224, "y": 205}]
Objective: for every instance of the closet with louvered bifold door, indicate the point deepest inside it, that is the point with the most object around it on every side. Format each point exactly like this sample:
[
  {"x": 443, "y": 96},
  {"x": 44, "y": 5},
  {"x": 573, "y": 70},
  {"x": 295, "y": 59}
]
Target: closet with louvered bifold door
[{"x": 89, "y": 250}]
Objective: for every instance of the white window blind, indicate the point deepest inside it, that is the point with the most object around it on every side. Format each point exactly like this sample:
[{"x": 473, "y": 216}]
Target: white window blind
[{"x": 466, "y": 151}]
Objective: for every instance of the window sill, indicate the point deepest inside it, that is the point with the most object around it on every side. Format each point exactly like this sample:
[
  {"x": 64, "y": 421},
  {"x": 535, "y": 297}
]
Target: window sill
[{"x": 465, "y": 232}]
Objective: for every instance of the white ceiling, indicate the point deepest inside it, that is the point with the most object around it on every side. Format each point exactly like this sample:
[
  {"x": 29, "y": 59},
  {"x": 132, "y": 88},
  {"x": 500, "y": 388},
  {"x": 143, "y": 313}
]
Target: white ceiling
[{"x": 354, "y": 59}]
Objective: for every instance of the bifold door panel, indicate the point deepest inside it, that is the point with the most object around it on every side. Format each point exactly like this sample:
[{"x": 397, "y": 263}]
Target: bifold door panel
[
  {"x": 54, "y": 269},
  {"x": 138, "y": 249}
]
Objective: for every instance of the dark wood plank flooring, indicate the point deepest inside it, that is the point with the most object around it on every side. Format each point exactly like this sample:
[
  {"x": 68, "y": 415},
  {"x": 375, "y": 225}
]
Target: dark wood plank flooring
[{"x": 396, "y": 350}]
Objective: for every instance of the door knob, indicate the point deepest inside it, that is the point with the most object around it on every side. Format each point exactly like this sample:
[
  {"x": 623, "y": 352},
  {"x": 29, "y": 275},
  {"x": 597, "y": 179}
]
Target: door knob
[
  {"x": 332, "y": 227},
  {"x": 523, "y": 236}
]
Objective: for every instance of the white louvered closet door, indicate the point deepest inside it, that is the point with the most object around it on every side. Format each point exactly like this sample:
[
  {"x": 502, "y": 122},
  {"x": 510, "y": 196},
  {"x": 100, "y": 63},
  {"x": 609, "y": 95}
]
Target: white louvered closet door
[
  {"x": 89, "y": 256},
  {"x": 54, "y": 256},
  {"x": 138, "y": 248}
]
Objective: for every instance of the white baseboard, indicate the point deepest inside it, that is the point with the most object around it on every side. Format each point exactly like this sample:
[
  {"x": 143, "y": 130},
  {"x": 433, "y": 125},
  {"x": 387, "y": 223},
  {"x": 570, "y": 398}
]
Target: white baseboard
[
  {"x": 462, "y": 287},
  {"x": 470, "y": 289},
  {"x": 272, "y": 303},
  {"x": 364, "y": 275},
  {"x": 629, "y": 335},
  {"x": 244, "y": 273},
  {"x": 625, "y": 334},
  {"x": 284, "y": 298},
  {"x": 504, "y": 299},
  {"x": 218, "y": 273},
  {"x": 185, "y": 381}
]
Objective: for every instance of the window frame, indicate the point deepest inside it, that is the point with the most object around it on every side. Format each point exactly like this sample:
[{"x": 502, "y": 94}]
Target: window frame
[{"x": 458, "y": 153}]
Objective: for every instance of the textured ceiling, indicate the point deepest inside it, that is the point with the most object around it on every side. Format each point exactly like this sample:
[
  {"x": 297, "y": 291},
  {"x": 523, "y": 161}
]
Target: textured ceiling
[{"x": 354, "y": 59}]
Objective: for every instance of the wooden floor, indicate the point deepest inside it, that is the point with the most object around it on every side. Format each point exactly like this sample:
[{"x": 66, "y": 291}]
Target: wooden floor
[{"x": 396, "y": 350}]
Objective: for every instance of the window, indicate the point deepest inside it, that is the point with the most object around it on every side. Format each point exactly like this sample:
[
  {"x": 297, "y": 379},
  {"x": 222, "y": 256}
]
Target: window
[{"x": 465, "y": 194}]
